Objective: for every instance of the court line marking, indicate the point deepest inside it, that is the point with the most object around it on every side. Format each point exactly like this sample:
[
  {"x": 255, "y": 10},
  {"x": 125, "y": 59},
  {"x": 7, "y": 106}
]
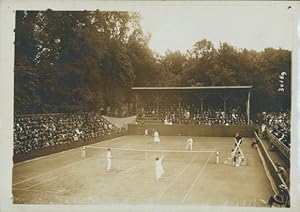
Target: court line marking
[
  {"x": 133, "y": 167},
  {"x": 151, "y": 150},
  {"x": 72, "y": 165},
  {"x": 46, "y": 180},
  {"x": 65, "y": 166},
  {"x": 41, "y": 182},
  {"x": 173, "y": 181},
  {"x": 52, "y": 171},
  {"x": 36, "y": 190},
  {"x": 54, "y": 177},
  {"x": 198, "y": 176},
  {"x": 69, "y": 150},
  {"x": 124, "y": 179},
  {"x": 140, "y": 163}
]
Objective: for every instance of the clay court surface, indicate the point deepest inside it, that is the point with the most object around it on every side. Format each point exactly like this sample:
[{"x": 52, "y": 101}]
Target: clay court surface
[{"x": 190, "y": 178}]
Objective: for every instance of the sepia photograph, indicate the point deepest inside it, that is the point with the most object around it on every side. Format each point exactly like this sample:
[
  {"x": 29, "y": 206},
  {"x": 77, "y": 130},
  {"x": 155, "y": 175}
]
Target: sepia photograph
[{"x": 154, "y": 103}]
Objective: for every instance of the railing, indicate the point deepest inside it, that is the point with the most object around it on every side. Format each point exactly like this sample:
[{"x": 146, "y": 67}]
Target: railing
[
  {"x": 285, "y": 151},
  {"x": 270, "y": 167}
]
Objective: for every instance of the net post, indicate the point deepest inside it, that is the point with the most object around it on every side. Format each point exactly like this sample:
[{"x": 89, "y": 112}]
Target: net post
[
  {"x": 83, "y": 152},
  {"x": 217, "y": 157}
]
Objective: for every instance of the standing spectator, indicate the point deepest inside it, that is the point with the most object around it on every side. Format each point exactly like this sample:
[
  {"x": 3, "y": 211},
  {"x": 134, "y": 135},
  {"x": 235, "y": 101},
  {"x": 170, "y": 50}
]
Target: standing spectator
[{"x": 282, "y": 198}]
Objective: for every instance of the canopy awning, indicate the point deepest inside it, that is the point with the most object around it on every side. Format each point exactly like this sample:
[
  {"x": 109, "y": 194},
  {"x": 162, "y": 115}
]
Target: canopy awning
[{"x": 194, "y": 88}]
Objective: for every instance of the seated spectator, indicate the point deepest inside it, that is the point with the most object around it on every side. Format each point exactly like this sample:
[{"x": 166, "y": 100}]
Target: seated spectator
[
  {"x": 190, "y": 114},
  {"x": 279, "y": 125},
  {"x": 40, "y": 131},
  {"x": 282, "y": 198}
]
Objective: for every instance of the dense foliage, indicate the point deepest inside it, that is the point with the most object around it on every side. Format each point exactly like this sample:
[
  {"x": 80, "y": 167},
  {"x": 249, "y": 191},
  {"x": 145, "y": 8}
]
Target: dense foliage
[{"x": 82, "y": 61}]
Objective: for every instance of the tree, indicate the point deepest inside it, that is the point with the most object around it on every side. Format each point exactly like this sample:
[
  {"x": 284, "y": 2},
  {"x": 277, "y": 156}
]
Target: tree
[{"x": 69, "y": 61}]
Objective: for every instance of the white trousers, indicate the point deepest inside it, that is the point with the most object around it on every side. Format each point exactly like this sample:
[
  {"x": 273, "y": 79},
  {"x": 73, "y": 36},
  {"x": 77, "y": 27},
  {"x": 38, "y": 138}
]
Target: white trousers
[
  {"x": 189, "y": 145},
  {"x": 108, "y": 164}
]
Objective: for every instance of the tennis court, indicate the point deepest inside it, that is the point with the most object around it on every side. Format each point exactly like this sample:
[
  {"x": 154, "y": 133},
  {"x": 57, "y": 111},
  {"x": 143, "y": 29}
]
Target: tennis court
[{"x": 190, "y": 177}]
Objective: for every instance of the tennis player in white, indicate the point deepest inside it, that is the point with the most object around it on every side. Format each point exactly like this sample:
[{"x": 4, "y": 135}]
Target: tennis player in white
[
  {"x": 156, "y": 137},
  {"x": 159, "y": 170},
  {"x": 108, "y": 157},
  {"x": 146, "y": 133},
  {"x": 239, "y": 159},
  {"x": 189, "y": 144}
]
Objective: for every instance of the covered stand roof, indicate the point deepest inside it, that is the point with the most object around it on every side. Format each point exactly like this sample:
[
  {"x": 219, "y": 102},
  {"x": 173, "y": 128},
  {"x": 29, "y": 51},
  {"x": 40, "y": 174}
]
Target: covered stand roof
[{"x": 194, "y": 88}]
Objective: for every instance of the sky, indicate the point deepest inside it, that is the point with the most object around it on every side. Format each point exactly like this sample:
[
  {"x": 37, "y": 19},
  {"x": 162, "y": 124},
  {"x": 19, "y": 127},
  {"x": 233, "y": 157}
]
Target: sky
[{"x": 251, "y": 25}]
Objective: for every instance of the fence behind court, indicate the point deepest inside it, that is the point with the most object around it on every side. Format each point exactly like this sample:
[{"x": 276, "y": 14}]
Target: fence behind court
[
  {"x": 270, "y": 167},
  {"x": 193, "y": 130}
]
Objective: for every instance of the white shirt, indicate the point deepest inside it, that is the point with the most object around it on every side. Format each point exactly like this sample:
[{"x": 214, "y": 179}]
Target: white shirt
[
  {"x": 263, "y": 127},
  {"x": 190, "y": 141},
  {"x": 108, "y": 155},
  {"x": 159, "y": 168}
]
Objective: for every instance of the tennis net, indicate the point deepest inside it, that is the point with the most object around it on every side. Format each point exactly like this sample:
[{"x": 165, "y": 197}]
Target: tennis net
[{"x": 149, "y": 154}]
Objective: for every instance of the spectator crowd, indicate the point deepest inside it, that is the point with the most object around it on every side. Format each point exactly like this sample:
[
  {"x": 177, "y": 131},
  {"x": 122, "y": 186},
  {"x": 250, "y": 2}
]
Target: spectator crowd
[
  {"x": 278, "y": 124},
  {"x": 33, "y": 132},
  {"x": 192, "y": 115}
]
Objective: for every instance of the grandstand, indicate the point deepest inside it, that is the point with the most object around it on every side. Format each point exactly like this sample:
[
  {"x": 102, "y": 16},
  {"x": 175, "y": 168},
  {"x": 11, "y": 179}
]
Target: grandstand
[{"x": 178, "y": 112}]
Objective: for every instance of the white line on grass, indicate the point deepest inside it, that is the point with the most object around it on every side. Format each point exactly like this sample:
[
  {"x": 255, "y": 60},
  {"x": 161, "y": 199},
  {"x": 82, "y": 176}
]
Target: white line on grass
[
  {"x": 50, "y": 179},
  {"x": 173, "y": 181},
  {"x": 193, "y": 184},
  {"x": 46, "y": 156},
  {"x": 133, "y": 167},
  {"x": 263, "y": 201},
  {"x": 52, "y": 171},
  {"x": 46, "y": 180},
  {"x": 35, "y": 190},
  {"x": 152, "y": 150},
  {"x": 121, "y": 181},
  {"x": 41, "y": 182},
  {"x": 58, "y": 169}
]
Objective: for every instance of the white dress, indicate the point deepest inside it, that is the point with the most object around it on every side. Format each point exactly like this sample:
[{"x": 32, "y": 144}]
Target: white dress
[
  {"x": 156, "y": 137},
  {"x": 189, "y": 144},
  {"x": 108, "y": 157},
  {"x": 159, "y": 170}
]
